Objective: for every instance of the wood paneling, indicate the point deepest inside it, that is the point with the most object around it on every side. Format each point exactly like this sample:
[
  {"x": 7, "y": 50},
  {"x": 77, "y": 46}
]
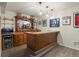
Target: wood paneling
[{"x": 40, "y": 40}]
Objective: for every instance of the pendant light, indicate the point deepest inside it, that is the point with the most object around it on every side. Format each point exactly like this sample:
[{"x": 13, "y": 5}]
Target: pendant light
[
  {"x": 40, "y": 13},
  {"x": 40, "y": 8},
  {"x": 47, "y": 15},
  {"x": 51, "y": 13}
]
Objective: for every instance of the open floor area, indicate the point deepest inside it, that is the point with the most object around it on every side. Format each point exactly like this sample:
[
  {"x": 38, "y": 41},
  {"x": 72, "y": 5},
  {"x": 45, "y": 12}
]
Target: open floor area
[{"x": 57, "y": 51}]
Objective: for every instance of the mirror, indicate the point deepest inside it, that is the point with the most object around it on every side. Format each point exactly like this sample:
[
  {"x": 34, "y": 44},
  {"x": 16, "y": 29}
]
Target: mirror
[{"x": 24, "y": 24}]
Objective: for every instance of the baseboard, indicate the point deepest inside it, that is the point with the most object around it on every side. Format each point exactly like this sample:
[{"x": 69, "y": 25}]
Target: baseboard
[{"x": 69, "y": 47}]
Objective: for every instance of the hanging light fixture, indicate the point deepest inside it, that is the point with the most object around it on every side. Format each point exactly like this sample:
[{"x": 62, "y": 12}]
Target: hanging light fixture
[
  {"x": 47, "y": 12},
  {"x": 40, "y": 13},
  {"x": 40, "y": 8},
  {"x": 47, "y": 15},
  {"x": 51, "y": 13}
]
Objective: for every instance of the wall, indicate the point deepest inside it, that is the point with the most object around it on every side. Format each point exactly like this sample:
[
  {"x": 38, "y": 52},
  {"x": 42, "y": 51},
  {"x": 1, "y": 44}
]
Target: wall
[
  {"x": 10, "y": 15},
  {"x": 68, "y": 34}
]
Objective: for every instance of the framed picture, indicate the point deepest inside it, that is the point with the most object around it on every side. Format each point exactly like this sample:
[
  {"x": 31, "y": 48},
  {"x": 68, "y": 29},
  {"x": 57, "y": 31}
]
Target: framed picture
[
  {"x": 55, "y": 22},
  {"x": 76, "y": 19},
  {"x": 66, "y": 20},
  {"x": 39, "y": 22},
  {"x": 44, "y": 23}
]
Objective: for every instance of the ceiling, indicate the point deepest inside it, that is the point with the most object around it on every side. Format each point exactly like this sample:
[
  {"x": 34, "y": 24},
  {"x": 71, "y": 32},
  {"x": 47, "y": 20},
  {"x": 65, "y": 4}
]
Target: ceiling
[{"x": 33, "y": 8}]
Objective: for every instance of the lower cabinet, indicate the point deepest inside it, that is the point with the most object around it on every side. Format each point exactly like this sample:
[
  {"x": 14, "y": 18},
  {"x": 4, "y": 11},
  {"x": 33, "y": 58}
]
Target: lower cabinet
[{"x": 19, "y": 39}]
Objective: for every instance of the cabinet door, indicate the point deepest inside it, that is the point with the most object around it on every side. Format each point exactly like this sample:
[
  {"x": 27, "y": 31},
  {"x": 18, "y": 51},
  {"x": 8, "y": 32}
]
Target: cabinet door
[
  {"x": 18, "y": 39},
  {"x": 25, "y": 38}
]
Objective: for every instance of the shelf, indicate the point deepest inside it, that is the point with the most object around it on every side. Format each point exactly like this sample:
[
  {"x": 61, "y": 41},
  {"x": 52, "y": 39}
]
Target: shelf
[
  {"x": 8, "y": 19},
  {"x": 11, "y": 19},
  {"x": 8, "y": 23}
]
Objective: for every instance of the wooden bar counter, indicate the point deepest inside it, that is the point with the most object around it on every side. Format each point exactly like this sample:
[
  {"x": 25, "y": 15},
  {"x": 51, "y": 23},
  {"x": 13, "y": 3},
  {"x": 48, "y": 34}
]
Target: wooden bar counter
[{"x": 38, "y": 40}]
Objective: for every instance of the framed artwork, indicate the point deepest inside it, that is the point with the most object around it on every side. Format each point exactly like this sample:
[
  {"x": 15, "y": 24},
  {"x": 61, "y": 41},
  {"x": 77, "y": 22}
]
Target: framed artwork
[
  {"x": 44, "y": 23},
  {"x": 39, "y": 22},
  {"x": 66, "y": 20},
  {"x": 55, "y": 22},
  {"x": 76, "y": 19}
]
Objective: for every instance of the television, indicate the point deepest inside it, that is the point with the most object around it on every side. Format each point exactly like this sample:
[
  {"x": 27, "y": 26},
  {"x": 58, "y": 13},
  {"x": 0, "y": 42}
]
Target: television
[{"x": 24, "y": 24}]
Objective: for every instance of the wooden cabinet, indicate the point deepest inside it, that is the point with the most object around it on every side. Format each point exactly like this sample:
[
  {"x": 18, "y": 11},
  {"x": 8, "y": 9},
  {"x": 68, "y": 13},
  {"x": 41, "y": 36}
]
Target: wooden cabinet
[
  {"x": 0, "y": 41},
  {"x": 25, "y": 38},
  {"x": 18, "y": 38}
]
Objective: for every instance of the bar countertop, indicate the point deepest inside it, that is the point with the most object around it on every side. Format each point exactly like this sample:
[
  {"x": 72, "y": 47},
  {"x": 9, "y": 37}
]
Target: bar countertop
[
  {"x": 36, "y": 41},
  {"x": 40, "y": 32}
]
